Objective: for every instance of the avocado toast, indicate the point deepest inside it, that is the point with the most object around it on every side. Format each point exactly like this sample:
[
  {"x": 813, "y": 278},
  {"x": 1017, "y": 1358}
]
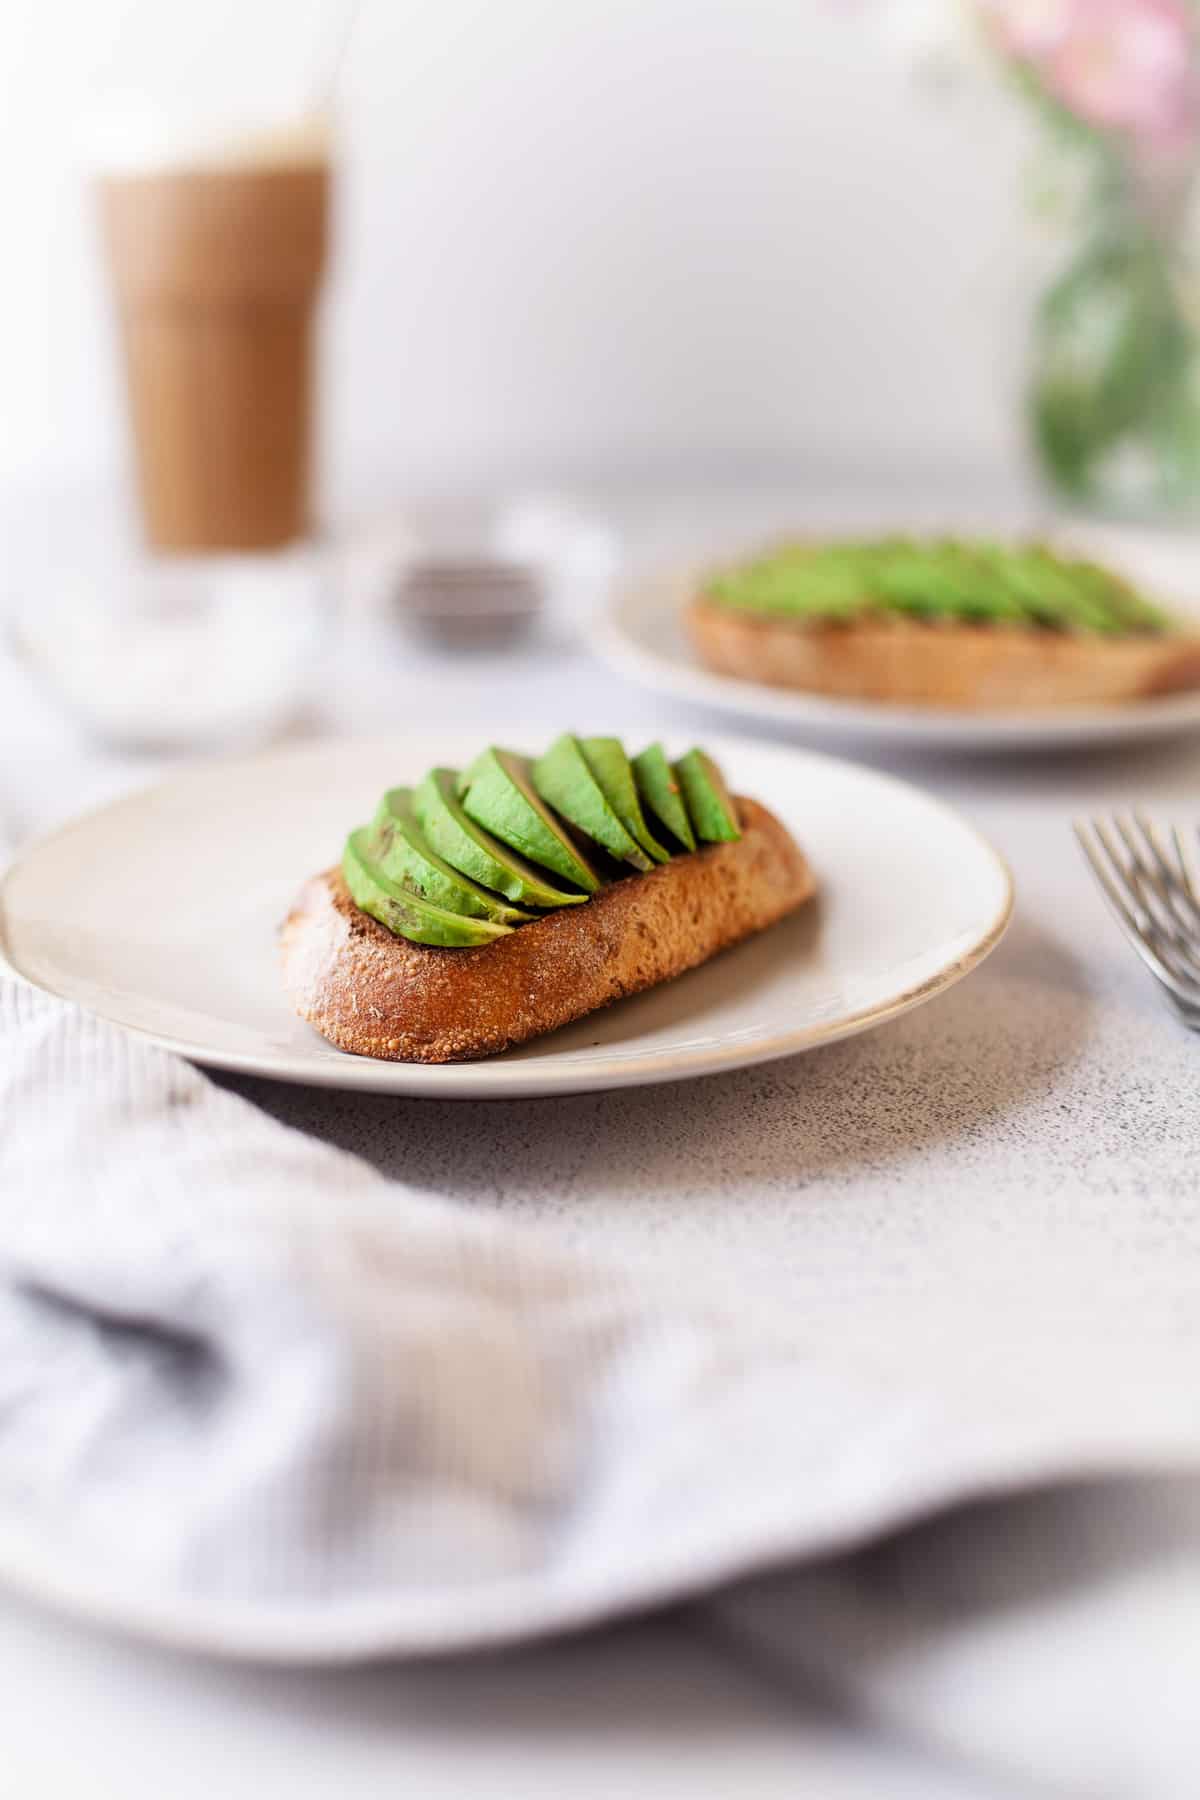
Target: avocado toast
[
  {"x": 940, "y": 622},
  {"x": 412, "y": 949}
]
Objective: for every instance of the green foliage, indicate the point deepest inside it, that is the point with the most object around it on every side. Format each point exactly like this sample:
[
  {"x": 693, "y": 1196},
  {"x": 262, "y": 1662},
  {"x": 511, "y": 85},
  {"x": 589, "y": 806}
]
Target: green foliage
[{"x": 1114, "y": 400}]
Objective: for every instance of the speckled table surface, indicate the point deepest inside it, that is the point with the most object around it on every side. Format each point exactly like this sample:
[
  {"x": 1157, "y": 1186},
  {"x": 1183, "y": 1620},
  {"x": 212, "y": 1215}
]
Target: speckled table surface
[
  {"x": 1010, "y": 1162},
  {"x": 1044, "y": 1109},
  {"x": 1053, "y": 1074}
]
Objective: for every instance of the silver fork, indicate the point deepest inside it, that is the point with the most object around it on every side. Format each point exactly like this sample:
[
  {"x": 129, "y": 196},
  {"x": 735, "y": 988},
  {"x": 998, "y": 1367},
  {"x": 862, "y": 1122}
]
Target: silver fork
[{"x": 1153, "y": 891}]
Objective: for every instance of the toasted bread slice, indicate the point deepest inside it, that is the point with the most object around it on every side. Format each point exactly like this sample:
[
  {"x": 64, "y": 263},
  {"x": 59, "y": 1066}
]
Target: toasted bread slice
[
  {"x": 969, "y": 668},
  {"x": 379, "y": 995}
]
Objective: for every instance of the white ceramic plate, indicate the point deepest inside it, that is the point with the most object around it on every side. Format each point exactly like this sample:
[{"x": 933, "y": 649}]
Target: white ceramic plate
[
  {"x": 641, "y": 636},
  {"x": 160, "y": 913}
]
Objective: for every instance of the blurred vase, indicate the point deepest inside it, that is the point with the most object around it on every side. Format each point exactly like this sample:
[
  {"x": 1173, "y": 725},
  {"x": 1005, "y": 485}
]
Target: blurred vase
[{"x": 1114, "y": 395}]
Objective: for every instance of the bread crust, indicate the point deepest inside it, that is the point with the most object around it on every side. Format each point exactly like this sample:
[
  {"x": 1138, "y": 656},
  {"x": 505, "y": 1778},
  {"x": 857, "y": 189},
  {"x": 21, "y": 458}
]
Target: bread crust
[
  {"x": 968, "y": 668},
  {"x": 375, "y": 994}
]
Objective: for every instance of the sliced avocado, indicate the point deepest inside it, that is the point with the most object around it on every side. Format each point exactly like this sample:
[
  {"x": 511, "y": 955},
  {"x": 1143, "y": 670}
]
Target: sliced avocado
[
  {"x": 563, "y": 779},
  {"x": 467, "y": 847},
  {"x": 661, "y": 793},
  {"x": 985, "y": 583},
  {"x": 406, "y": 857},
  {"x": 498, "y": 793},
  {"x": 608, "y": 762},
  {"x": 709, "y": 802},
  {"x": 404, "y": 913}
]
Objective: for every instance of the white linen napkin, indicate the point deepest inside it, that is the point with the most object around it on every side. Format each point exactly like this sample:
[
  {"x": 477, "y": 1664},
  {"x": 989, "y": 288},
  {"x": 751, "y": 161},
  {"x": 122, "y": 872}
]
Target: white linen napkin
[{"x": 256, "y": 1398}]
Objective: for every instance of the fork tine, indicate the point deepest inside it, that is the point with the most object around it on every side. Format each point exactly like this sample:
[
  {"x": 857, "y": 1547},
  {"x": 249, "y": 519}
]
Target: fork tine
[
  {"x": 1158, "y": 917},
  {"x": 1100, "y": 871},
  {"x": 1176, "y": 917},
  {"x": 1174, "y": 957},
  {"x": 1127, "y": 875},
  {"x": 1185, "y": 989},
  {"x": 1175, "y": 881},
  {"x": 1142, "y": 869},
  {"x": 1137, "y": 876},
  {"x": 1185, "y": 871}
]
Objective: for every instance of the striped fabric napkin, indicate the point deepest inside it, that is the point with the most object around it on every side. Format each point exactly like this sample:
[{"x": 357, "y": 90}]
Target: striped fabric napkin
[{"x": 255, "y": 1397}]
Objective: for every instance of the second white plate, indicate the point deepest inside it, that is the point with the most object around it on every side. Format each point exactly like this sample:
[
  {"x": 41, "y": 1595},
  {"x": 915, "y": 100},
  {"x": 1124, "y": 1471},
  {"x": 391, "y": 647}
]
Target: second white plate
[
  {"x": 160, "y": 913},
  {"x": 641, "y": 635}
]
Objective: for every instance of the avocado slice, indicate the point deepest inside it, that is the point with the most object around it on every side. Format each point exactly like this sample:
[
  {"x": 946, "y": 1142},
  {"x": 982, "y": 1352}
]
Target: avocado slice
[
  {"x": 661, "y": 793},
  {"x": 498, "y": 793},
  {"x": 406, "y": 857},
  {"x": 563, "y": 779},
  {"x": 709, "y": 802},
  {"x": 406, "y": 914},
  {"x": 467, "y": 847},
  {"x": 608, "y": 762}
]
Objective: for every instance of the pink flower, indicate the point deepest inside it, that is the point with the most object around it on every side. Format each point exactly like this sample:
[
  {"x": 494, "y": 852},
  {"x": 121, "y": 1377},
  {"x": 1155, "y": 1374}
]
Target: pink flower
[
  {"x": 1120, "y": 65},
  {"x": 1029, "y": 29},
  {"x": 1129, "y": 65}
]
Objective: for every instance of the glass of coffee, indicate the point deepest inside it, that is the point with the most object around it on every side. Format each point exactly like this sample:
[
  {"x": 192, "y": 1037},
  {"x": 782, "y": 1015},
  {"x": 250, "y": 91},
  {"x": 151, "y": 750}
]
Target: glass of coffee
[
  {"x": 216, "y": 260},
  {"x": 200, "y": 616}
]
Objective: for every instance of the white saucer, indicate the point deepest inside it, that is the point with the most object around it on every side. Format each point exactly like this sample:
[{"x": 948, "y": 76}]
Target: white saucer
[{"x": 160, "y": 912}]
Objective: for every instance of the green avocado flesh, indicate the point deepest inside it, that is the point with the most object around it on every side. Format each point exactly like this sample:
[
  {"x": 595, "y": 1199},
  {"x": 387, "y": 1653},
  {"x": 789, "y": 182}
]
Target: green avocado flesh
[
  {"x": 406, "y": 857},
  {"x": 967, "y": 581},
  {"x": 405, "y": 913},
  {"x": 662, "y": 795},
  {"x": 613, "y": 771},
  {"x": 467, "y": 847},
  {"x": 498, "y": 793},
  {"x": 709, "y": 802},
  {"x": 451, "y": 862},
  {"x": 565, "y": 782}
]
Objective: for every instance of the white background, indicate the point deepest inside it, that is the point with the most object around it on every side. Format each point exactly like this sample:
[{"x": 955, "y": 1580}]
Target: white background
[{"x": 577, "y": 237}]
